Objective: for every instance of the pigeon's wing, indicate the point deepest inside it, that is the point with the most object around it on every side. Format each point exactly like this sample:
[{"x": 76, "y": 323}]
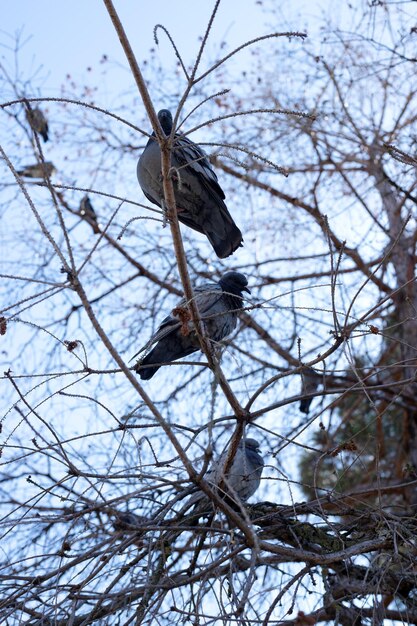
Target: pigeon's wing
[
  {"x": 168, "y": 325},
  {"x": 203, "y": 206},
  {"x": 185, "y": 153},
  {"x": 190, "y": 222},
  {"x": 206, "y": 297},
  {"x": 189, "y": 154},
  {"x": 218, "y": 312}
]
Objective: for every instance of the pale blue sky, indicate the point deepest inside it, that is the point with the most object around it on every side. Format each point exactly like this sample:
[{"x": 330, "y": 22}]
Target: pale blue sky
[{"x": 66, "y": 37}]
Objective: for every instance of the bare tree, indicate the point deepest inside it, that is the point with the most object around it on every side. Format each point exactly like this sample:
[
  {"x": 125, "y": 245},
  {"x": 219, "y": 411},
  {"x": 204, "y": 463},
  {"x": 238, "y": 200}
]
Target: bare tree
[{"x": 101, "y": 471}]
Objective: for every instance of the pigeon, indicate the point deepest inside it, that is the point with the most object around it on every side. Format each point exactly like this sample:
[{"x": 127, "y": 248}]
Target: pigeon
[
  {"x": 241, "y": 480},
  {"x": 38, "y": 122},
  {"x": 198, "y": 195},
  {"x": 38, "y": 170},
  {"x": 310, "y": 381},
  {"x": 87, "y": 212},
  {"x": 218, "y": 304}
]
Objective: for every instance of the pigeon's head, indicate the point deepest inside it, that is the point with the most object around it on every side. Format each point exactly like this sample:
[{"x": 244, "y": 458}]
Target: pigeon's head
[
  {"x": 234, "y": 282},
  {"x": 249, "y": 443},
  {"x": 165, "y": 119}
]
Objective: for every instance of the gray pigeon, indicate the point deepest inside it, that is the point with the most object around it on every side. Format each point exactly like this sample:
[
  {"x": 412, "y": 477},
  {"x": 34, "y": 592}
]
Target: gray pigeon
[
  {"x": 38, "y": 122},
  {"x": 38, "y": 170},
  {"x": 240, "y": 483},
  {"x": 87, "y": 212},
  {"x": 198, "y": 195},
  {"x": 310, "y": 382},
  {"x": 241, "y": 480},
  {"x": 218, "y": 304}
]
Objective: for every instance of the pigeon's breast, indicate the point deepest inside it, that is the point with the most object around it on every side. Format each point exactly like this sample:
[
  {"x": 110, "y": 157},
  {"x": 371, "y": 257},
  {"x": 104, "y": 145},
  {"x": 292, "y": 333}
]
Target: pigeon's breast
[{"x": 149, "y": 173}]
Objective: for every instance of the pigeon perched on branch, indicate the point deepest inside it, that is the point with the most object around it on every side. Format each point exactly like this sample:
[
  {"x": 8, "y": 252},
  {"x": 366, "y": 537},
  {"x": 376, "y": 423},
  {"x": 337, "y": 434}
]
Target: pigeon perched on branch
[
  {"x": 38, "y": 122},
  {"x": 88, "y": 213},
  {"x": 37, "y": 170},
  {"x": 198, "y": 195},
  {"x": 310, "y": 381},
  {"x": 240, "y": 481},
  {"x": 218, "y": 305}
]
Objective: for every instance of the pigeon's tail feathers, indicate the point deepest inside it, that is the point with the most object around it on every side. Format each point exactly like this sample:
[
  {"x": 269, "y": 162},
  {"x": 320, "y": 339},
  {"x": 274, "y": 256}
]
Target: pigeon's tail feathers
[
  {"x": 145, "y": 347},
  {"x": 226, "y": 243},
  {"x": 147, "y": 372},
  {"x": 153, "y": 357},
  {"x": 163, "y": 352},
  {"x": 170, "y": 324}
]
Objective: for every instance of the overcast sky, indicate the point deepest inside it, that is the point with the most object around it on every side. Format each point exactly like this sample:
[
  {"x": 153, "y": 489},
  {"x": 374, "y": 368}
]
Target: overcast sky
[{"x": 67, "y": 37}]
